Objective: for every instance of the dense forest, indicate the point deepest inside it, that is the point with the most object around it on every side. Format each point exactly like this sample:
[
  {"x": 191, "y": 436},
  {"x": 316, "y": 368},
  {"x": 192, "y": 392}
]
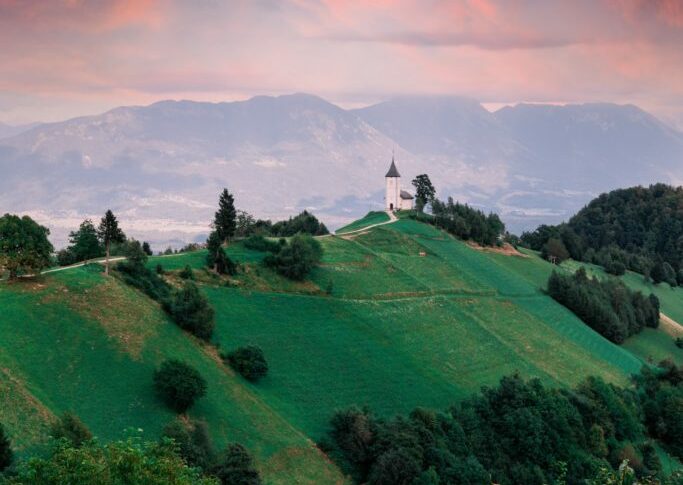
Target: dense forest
[
  {"x": 639, "y": 228},
  {"x": 520, "y": 432},
  {"x": 464, "y": 222},
  {"x": 608, "y": 307}
]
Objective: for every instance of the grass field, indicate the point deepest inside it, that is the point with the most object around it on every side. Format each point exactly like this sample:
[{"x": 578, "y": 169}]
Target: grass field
[
  {"x": 370, "y": 218},
  {"x": 414, "y": 318}
]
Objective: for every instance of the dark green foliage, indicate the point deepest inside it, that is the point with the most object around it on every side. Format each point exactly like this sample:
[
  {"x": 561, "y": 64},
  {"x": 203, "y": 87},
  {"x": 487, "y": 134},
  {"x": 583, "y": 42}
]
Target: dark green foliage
[
  {"x": 85, "y": 244},
  {"x": 192, "y": 440},
  {"x": 159, "y": 269},
  {"x": 296, "y": 259},
  {"x": 248, "y": 226},
  {"x": 117, "y": 463},
  {"x": 465, "y": 222},
  {"x": 424, "y": 191},
  {"x": 608, "y": 307},
  {"x": 679, "y": 342},
  {"x": 616, "y": 268},
  {"x": 179, "y": 385},
  {"x": 191, "y": 311},
  {"x": 249, "y": 361},
  {"x": 329, "y": 288},
  {"x": 216, "y": 258},
  {"x": 134, "y": 273},
  {"x": 109, "y": 233},
  {"x": 147, "y": 249},
  {"x": 304, "y": 223},
  {"x": 639, "y": 227},
  {"x": 70, "y": 428},
  {"x": 6, "y": 453},
  {"x": 519, "y": 432},
  {"x": 234, "y": 466},
  {"x": 24, "y": 247},
  {"x": 186, "y": 273},
  {"x": 554, "y": 251},
  {"x": 260, "y": 243},
  {"x": 224, "y": 221}
]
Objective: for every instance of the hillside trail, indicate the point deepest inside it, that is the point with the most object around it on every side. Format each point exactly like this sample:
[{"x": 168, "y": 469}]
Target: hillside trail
[{"x": 392, "y": 219}]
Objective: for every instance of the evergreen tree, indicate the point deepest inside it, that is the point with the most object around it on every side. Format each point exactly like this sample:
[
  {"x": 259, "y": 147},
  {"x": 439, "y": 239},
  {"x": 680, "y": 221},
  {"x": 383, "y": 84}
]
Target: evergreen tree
[
  {"x": 6, "y": 454},
  {"x": 147, "y": 249},
  {"x": 84, "y": 242},
  {"x": 224, "y": 221},
  {"x": 109, "y": 232},
  {"x": 24, "y": 246},
  {"x": 424, "y": 191}
]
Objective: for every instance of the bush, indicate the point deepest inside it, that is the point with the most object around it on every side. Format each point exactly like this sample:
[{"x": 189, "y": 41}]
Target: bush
[
  {"x": 72, "y": 429},
  {"x": 191, "y": 311},
  {"x": 616, "y": 268},
  {"x": 304, "y": 223},
  {"x": 192, "y": 440},
  {"x": 6, "y": 454},
  {"x": 136, "y": 274},
  {"x": 249, "y": 361},
  {"x": 235, "y": 467},
  {"x": 186, "y": 273},
  {"x": 296, "y": 259},
  {"x": 679, "y": 342},
  {"x": 159, "y": 269},
  {"x": 260, "y": 243},
  {"x": 179, "y": 385},
  {"x": 464, "y": 222},
  {"x": 555, "y": 251}
]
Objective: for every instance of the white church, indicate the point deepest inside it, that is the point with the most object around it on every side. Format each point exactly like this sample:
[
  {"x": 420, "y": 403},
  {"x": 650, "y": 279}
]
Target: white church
[{"x": 395, "y": 198}]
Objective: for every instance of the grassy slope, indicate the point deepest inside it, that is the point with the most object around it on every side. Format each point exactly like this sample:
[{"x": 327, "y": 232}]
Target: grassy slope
[
  {"x": 414, "y": 318},
  {"x": 80, "y": 342},
  {"x": 403, "y": 329},
  {"x": 370, "y": 218},
  {"x": 651, "y": 345}
]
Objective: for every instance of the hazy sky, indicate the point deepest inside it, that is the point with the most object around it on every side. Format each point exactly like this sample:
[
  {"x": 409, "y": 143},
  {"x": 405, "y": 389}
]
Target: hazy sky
[{"x": 60, "y": 59}]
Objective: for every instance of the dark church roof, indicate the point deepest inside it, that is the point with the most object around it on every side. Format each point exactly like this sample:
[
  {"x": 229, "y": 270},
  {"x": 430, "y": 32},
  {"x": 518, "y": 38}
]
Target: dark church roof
[
  {"x": 405, "y": 195},
  {"x": 392, "y": 170}
]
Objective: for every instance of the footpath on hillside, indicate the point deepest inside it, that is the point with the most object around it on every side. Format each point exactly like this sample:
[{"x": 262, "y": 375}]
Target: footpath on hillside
[{"x": 392, "y": 219}]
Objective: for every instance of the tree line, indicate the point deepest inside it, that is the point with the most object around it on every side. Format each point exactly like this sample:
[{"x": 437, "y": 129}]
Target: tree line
[
  {"x": 639, "y": 228},
  {"x": 607, "y": 306},
  {"x": 519, "y": 432}
]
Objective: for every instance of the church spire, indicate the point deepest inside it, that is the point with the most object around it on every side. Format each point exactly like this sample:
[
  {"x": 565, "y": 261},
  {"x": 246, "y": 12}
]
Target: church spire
[{"x": 393, "y": 172}]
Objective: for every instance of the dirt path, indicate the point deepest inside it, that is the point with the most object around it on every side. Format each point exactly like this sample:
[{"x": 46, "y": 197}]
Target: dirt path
[
  {"x": 392, "y": 218},
  {"x": 670, "y": 326}
]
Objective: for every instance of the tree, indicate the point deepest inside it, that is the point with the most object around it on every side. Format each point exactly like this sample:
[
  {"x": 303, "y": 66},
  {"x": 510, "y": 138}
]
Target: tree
[
  {"x": 555, "y": 251},
  {"x": 147, "y": 249},
  {"x": 6, "y": 454},
  {"x": 109, "y": 232},
  {"x": 179, "y": 384},
  {"x": 72, "y": 429},
  {"x": 236, "y": 467},
  {"x": 24, "y": 246},
  {"x": 224, "y": 221},
  {"x": 249, "y": 361},
  {"x": 296, "y": 259},
  {"x": 303, "y": 223},
  {"x": 216, "y": 257},
  {"x": 191, "y": 311},
  {"x": 84, "y": 242},
  {"x": 192, "y": 439},
  {"x": 424, "y": 191}
]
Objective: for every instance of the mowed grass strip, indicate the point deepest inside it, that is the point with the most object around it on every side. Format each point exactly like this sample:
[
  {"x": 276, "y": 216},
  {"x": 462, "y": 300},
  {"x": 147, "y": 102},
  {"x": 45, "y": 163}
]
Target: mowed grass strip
[
  {"x": 370, "y": 218},
  {"x": 74, "y": 363}
]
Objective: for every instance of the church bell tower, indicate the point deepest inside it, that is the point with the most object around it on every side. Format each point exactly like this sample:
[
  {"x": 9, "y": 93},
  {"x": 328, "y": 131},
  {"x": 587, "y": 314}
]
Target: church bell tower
[{"x": 393, "y": 184}]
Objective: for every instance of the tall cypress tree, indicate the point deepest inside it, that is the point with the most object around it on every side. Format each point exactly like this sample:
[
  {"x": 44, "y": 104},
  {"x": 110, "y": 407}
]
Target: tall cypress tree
[
  {"x": 109, "y": 232},
  {"x": 6, "y": 454},
  {"x": 225, "y": 219}
]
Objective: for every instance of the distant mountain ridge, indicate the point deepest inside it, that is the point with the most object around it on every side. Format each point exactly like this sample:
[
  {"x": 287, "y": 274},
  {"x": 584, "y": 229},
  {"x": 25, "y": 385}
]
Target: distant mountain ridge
[{"x": 161, "y": 166}]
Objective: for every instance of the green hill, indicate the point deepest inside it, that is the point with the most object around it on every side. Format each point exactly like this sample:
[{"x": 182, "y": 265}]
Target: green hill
[{"x": 413, "y": 318}]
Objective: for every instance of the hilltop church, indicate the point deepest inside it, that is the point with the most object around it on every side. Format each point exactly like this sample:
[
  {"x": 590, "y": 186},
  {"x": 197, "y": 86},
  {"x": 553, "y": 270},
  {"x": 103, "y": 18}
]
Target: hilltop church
[{"x": 395, "y": 198}]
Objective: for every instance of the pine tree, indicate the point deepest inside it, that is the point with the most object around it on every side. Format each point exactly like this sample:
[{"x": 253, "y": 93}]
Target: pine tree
[
  {"x": 109, "y": 232},
  {"x": 224, "y": 221}
]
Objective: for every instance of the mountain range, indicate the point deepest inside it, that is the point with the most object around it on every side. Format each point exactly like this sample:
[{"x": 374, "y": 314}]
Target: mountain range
[{"x": 160, "y": 167}]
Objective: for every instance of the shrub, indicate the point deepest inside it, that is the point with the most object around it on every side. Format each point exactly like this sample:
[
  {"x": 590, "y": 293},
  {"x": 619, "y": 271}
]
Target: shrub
[
  {"x": 136, "y": 274},
  {"x": 192, "y": 440},
  {"x": 616, "y": 268},
  {"x": 72, "y": 429},
  {"x": 679, "y": 342},
  {"x": 304, "y": 223},
  {"x": 296, "y": 259},
  {"x": 555, "y": 250},
  {"x": 159, "y": 269},
  {"x": 179, "y": 385},
  {"x": 260, "y": 243},
  {"x": 235, "y": 467},
  {"x": 191, "y": 311},
  {"x": 186, "y": 273},
  {"x": 6, "y": 454},
  {"x": 249, "y": 361}
]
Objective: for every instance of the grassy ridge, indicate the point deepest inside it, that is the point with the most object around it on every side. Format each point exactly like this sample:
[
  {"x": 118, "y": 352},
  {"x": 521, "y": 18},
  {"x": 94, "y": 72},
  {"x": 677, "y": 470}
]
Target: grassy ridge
[{"x": 375, "y": 217}]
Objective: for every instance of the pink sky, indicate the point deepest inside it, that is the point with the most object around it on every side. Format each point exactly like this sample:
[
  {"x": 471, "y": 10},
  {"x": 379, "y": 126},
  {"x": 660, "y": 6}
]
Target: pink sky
[{"x": 60, "y": 59}]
